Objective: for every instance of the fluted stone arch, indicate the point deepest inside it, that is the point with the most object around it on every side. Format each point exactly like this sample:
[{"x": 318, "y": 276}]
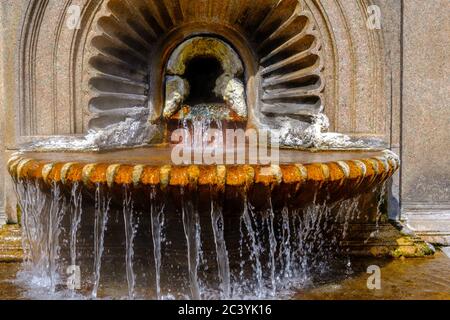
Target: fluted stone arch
[{"x": 280, "y": 36}]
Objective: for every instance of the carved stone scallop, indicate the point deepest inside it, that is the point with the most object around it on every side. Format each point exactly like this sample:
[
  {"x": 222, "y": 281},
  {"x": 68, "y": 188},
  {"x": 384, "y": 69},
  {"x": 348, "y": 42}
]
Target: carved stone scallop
[{"x": 276, "y": 40}]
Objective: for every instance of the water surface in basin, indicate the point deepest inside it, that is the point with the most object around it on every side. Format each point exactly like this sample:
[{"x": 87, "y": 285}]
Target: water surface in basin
[
  {"x": 419, "y": 278},
  {"x": 161, "y": 155}
]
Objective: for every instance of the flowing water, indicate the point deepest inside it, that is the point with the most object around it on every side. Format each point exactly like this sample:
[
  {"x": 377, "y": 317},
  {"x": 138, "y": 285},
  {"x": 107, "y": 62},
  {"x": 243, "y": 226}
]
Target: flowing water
[
  {"x": 42, "y": 215},
  {"x": 223, "y": 263},
  {"x": 191, "y": 228},
  {"x": 102, "y": 204},
  {"x": 157, "y": 225},
  {"x": 276, "y": 250},
  {"x": 130, "y": 231},
  {"x": 255, "y": 248},
  {"x": 76, "y": 209}
]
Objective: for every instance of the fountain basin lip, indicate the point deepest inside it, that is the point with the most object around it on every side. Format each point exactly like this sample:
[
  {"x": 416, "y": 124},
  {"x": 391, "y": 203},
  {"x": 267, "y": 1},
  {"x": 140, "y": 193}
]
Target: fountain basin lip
[{"x": 128, "y": 167}]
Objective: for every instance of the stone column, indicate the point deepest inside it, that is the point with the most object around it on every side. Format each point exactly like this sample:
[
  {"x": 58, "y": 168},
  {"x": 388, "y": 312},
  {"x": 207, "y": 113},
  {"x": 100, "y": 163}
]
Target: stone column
[{"x": 391, "y": 31}]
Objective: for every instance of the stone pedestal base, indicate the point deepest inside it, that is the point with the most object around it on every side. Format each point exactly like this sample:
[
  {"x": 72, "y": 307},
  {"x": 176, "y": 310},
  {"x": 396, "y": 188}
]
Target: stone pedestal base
[{"x": 430, "y": 222}]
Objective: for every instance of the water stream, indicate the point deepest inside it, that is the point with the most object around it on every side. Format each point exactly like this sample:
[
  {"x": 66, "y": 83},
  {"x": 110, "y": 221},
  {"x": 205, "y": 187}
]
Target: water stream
[
  {"x": 191, "y": 226},
  {"x": 130, "y": 231},
  {"x": 157, "y": 225},
  {"x": 264, "y": 252},
  {"x": 55, "y": 215},
  {"x": 76, "y": 210},
  {"x": 223, "y": 263},
  {"x": 102, "y": 205},
  {"x": 255, "y": 246}
]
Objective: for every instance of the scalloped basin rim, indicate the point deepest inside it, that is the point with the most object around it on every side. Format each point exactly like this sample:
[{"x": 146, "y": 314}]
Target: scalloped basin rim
[{"x": 152, "y": 166}]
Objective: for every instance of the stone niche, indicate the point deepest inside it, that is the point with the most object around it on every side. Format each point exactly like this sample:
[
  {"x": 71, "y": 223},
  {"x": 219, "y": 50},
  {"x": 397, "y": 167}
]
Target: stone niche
[
  {"x": 300, "y": 57},
  {"x": 63, "y": 76}
]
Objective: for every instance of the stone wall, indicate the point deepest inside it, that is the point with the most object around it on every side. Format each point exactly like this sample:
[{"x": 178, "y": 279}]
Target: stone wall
[
  {"x": 45, "y": 75},
  {"x": 425, "y": 175},
  {"x": 11, "y": 17}
]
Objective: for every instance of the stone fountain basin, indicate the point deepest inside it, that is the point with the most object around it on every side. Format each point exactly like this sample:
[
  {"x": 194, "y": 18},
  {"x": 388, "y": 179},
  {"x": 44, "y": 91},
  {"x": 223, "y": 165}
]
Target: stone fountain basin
[
  {"x": 220, "y": 204},
  {"x": 337, "y": 173}
]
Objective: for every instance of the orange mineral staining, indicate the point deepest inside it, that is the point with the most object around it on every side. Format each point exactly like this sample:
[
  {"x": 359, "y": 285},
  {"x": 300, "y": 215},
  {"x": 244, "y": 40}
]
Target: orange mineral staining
[
  {"x": 55, "y": 173},
  {"x": 29, "y": 170},
  {"x": 317, "y": 172},
  {"x": 239, "y": 176},
  {"x": 74, "y": 173},
  {"x": 268, "y": 175},
  {"x": 207, "y": 175},
  {"x": 150, "y": 175},
  {"x": 124, "y": 175},
  {"x": 291, "y": 174},
  {"x": 336, "y": 173},
  {"x": 179, "y": 176}
]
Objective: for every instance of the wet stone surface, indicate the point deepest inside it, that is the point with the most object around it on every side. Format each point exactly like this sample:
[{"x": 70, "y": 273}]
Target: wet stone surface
[
  {"x": 415, "y": 278},
  {"x": 10, "y": 244}
]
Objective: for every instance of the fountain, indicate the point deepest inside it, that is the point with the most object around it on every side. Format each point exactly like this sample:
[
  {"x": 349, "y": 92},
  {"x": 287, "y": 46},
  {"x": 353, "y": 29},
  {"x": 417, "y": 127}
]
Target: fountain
[
  {"x": 118, "y": 211},
  {"x": 281, "y": 223}
]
